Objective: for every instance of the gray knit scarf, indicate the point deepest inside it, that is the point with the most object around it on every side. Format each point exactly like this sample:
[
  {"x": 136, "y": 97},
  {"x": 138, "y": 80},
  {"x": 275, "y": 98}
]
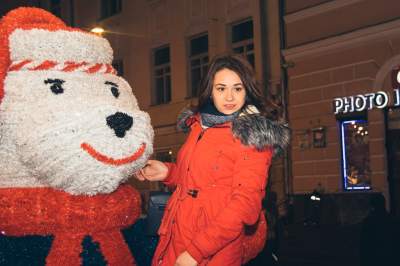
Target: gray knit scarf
[{"x": 210, "y": 116}]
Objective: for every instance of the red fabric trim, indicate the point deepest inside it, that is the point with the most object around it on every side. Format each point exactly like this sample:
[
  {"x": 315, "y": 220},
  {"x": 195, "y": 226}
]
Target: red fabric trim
[
  {"x": 94, "y": 68},
  {"x": 45, "y": 65},
  {"x": 71, "y": 66},
  {"x": 109, "y": 160},
  {"x": 109, "y": 68},
  {"x": 19, "y": 65}
]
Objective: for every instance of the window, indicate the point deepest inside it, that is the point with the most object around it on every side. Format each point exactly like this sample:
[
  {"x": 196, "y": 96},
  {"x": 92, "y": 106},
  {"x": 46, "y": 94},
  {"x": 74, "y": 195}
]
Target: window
[
  {"x": 198, "y": 62},
  {"x": 55, "y": 7},
  {"x": 242, "y": 40},
  {"x": 118, "y": 66},
  {"x": 110, "y": 7},
  {"x": 355, "y": 154},
  {"x": 162, "y": 76}
]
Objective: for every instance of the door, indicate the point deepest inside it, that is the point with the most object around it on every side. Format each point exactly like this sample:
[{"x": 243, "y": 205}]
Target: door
[{"x": 393, "y": 156}]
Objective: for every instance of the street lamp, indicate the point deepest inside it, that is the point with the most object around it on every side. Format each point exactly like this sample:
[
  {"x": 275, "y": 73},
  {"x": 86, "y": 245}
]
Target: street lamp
[{"x": 97, "y": 30}]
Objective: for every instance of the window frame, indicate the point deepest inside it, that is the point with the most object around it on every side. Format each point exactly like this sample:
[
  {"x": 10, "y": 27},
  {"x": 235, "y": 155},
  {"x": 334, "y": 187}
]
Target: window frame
[
  {"x": 243, "y": 43},
  {"x": 165, "y": 74},
  {"x": 191, "y": 91}
]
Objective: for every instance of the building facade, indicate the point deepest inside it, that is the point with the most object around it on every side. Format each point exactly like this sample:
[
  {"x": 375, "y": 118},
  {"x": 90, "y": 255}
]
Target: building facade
[{"x": 343, "y": 59}]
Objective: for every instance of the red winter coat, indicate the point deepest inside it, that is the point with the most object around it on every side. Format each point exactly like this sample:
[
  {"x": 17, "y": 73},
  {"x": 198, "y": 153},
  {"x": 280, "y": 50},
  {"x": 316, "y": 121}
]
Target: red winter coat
[{"x": 220, "y": 183}]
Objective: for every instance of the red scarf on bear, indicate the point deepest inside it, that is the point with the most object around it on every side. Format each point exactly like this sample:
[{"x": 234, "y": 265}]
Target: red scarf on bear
[{"x": 46, "y": 211}]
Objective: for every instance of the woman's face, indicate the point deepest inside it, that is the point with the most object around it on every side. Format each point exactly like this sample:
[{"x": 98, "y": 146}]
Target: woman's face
[{"x": 228, "y": 92}]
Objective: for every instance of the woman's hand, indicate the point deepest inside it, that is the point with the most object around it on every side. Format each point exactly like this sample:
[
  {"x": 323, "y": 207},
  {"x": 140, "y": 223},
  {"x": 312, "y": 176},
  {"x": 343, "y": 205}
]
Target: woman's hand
[
  {"x": 153, "y": 171},
  {"x": 185, "y": 259}
]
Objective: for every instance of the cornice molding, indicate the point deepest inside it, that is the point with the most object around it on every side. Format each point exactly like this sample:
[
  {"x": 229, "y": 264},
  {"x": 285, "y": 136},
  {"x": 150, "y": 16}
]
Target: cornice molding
[
  {"x": 348, "y": 40},
  {"x": 317, "y": 10}
]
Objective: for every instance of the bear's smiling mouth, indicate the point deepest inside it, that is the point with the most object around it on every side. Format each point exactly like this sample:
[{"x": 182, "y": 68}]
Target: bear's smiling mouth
[{"x": 109, "y": 160}]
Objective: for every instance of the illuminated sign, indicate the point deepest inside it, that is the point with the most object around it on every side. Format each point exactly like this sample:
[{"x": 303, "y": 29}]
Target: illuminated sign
[
  {"x": 363, "y": 102},
  {"x": 368, "y": 101}
]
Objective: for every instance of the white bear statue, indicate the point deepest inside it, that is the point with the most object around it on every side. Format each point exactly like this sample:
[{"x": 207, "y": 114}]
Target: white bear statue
[{"x": 71, "y": 134}]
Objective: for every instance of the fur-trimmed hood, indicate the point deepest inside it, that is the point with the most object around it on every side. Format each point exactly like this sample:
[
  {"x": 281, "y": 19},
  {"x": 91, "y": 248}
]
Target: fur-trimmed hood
[{"x": 251, "y": 129}]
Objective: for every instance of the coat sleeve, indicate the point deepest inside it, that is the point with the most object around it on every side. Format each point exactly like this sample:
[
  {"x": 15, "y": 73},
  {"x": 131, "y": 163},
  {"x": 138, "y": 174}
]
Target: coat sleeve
[
  {"x": 244, "y": 207},
  {"x": 171, "y": 180}
]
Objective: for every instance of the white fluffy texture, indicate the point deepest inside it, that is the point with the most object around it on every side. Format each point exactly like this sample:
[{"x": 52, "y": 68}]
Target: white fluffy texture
[
  {"x": 42, "y": 132},
  {"x": 59, "y": 46}
]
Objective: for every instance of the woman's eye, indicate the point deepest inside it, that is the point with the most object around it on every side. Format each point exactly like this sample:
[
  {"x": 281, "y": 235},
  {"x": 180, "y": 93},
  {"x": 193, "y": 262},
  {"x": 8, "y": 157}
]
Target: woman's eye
[
  {"x": 115, "y": 91},
  {"x": 220, "y": 88},
  {"x": 56, "y": 85},
  {"x": 238, "y": 89}
]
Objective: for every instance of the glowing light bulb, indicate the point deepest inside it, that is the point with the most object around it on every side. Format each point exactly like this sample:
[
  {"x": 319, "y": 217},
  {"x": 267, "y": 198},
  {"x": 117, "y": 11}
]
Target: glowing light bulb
[
  {"x": 398, "y": 77},
  {"x": 97, "y": 30}
]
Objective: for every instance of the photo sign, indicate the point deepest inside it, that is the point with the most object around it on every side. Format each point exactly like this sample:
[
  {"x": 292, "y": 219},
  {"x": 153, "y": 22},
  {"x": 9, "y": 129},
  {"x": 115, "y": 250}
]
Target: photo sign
[
  {"x": 363, "y": 102},
  {"x": 369, "y": 101}
]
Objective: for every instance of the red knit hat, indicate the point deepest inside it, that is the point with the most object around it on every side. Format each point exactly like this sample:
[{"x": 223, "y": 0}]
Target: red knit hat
[{"x": 33, "y": 39}]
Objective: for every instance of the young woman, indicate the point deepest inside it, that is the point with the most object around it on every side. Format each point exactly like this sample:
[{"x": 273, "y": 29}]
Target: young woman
[{"x": 221, "y": 170}]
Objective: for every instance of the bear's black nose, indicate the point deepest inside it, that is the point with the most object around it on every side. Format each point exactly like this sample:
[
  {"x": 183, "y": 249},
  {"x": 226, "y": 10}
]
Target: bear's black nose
[{"x": 120, "y": 123}]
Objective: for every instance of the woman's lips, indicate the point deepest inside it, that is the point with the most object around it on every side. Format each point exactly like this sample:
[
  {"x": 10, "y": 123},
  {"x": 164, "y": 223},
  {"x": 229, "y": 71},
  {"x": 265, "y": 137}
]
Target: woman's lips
[
  {"x": 229, "y": 106},
  {"x": 112, "y": 161}
]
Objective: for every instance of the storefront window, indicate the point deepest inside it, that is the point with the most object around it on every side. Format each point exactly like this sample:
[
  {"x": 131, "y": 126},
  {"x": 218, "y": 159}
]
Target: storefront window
[{"x": 355, "y": 155}]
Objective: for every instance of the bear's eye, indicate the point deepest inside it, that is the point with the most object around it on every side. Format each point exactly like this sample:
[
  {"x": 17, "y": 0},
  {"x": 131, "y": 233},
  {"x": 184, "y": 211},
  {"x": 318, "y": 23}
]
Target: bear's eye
[
  {"x": 115, "y": 91},
  {"x": 114, "y": 88},
  {"x": 56, "y": 85}
]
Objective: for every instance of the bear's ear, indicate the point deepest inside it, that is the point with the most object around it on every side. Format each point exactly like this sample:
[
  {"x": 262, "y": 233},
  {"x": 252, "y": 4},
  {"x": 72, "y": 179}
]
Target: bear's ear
[{"x": 24, "y": 18}]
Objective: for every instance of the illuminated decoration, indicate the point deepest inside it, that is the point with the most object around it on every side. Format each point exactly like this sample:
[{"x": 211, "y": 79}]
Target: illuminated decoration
[{"x": 355, "y": 155}]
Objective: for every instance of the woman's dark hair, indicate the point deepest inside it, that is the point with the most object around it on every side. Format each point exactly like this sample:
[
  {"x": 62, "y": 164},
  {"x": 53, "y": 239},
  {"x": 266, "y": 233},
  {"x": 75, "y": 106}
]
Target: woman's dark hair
[{"x": 244, "y": 70}]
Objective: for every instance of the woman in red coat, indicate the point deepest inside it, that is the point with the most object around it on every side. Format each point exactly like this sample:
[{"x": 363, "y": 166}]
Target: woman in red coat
[{"x": 221, "y": 170}]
